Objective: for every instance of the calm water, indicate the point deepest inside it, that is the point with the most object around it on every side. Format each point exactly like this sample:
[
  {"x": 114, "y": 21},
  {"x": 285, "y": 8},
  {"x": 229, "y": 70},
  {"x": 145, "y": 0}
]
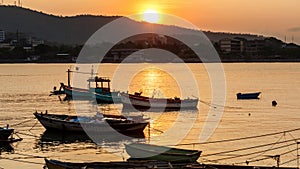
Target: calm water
[{"x": 25, "y": 89}]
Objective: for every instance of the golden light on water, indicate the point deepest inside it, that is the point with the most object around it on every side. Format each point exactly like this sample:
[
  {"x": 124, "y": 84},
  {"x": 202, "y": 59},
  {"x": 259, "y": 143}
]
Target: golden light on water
[{"x": 154, "y": 82}]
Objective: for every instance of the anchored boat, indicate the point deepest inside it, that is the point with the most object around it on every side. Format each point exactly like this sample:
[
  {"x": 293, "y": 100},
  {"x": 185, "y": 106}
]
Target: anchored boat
[
  {"x": 100, "y": 92},
  {"x": 97, "y": 124},
  {"x": 161, "y": 153},
  {"x": 136, "y": 101}
]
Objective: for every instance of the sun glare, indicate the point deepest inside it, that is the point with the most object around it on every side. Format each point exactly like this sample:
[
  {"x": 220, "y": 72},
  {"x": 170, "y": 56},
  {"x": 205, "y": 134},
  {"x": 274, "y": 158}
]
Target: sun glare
[{"x": 151, "y": 16}]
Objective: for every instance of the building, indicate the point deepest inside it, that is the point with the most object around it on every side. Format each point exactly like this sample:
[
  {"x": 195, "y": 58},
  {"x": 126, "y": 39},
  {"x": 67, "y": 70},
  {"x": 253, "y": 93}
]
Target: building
[
  {"x": 241, "y": 45},
  {"x": 2, "y": 35},
  {"x": 254, "y": 46},
  {"x": 231, "y": 45}
]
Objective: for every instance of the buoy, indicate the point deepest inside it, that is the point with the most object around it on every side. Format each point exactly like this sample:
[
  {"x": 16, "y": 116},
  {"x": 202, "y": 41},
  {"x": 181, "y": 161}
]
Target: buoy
[{"x": 274, "y": 103}]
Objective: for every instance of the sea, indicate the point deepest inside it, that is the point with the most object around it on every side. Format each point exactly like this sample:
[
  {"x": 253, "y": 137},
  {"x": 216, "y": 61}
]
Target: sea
[{"x": 226, "y": 130}]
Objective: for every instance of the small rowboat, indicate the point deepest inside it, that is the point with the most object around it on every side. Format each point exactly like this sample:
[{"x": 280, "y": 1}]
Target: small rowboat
[
  {"x": 136, "y": 101},
  {"x": 248, "y": 95},
  {"x": 161, "y": 153},
  {"x": 55, "y": 164},
  {"x": 98, "y": 125}
]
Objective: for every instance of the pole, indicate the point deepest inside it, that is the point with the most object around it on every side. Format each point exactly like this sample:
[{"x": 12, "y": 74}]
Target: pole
[
  {"x": 69, "y": 83},
  {"x": 297, "y": 155}
]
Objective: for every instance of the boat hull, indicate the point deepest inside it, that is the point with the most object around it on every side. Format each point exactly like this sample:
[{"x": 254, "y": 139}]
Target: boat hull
[
  {"x": 5, "y": 133},
  {"x": 78, "y": 93},
  {"x": 248, "y": 95},
  {"x": 161, "y": 153},
  {"x": 146, "y": 103},
  {"x": 57, "y": 123}
]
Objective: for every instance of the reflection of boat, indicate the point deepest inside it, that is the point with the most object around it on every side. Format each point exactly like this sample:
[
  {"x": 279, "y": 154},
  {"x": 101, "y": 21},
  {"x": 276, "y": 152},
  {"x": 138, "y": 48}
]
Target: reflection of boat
[
  {"x": 136, "y": 101},
  {"x": 6, "y": 148},
  {"x": 101, "y": 93},
  {"x": 96, "y": 124},
  {"x": 50, "y": 136},
  {"x": 5, "y": 132},
  {"x": 248, "y": 95},
  {"x": 161, "y": 153}
]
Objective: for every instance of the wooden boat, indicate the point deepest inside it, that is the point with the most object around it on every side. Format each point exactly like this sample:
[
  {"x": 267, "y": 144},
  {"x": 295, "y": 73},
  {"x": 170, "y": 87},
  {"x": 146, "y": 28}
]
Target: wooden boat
[
  {"x": 136, "y": 101},
  {"x": 96, "y": 124},
  {"x": 161, "y": 153},
  {"x": 55, "y": 164},
  {"x": 248, "y": 95},
  {"x": 101, "y": 93},
  {"x": 5, "y": 132}
]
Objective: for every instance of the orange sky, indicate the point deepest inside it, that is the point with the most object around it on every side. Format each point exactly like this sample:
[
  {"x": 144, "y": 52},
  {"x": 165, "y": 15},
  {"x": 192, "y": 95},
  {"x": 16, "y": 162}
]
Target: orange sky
[{"x": 267, "y": 17}]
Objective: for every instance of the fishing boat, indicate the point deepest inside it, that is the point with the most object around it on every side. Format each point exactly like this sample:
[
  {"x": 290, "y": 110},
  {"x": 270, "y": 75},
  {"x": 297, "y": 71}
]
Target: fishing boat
[
  {"x": 161, "y": 153},
  {"x": 99, "y": 124},
  {"x": 136, "y": 101},
  {"x": 5, "y": 132},
  {"x": 248, "y": 95},
  {"x": 98, "y": 89}
]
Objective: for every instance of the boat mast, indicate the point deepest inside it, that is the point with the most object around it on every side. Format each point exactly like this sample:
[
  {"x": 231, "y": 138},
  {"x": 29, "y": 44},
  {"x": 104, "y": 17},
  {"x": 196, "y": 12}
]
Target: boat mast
[{"x": 69, "y": 83}]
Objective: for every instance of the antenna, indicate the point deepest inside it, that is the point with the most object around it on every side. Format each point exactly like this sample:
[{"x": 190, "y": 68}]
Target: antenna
[{"x": 285, "y": 39}]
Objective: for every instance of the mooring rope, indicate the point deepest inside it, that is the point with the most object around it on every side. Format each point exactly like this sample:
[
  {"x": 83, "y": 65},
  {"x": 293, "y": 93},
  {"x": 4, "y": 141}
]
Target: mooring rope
[
  {"x": 248, "y": 154},
  {"x": 241, "y": 138},
  {"x": 247, "y": 148}
]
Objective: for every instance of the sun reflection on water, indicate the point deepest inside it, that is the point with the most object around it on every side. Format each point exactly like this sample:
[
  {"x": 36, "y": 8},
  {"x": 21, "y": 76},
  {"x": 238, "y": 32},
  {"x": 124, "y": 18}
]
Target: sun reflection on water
[{"x": 154, "y": 82}]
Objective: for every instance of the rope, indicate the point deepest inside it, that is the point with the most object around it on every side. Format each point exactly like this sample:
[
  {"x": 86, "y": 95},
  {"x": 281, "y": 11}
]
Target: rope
[
  {"x": 21, "y": 122},
  {"x": 242, "y": 138},
  {"x": 265, "y": 158},
  {"x": 26, "y": 134},
  {"x": 217, "y": 105},
  {"x": 226, "y": 158},
  {"x": 270, "y": 147},
  {"x": 247, "y": 148}
]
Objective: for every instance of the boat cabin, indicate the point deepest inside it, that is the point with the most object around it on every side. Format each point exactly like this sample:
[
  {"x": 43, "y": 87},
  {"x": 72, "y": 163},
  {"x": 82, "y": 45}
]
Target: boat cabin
[{"x": 102, "y": 84}]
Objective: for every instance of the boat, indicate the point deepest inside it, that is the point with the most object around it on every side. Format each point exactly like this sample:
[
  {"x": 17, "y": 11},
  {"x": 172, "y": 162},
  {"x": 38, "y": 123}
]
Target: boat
[
  {"x": 161, "y": 153},
  {"x": 248, "y": 95},
  {"x": 101, "y": 93},
  {"x": 55, "y": 164},
  {"x": 5, "y": 132},
  {"x": 99, "y": 124},
  {"x": 136, "y": 101}
]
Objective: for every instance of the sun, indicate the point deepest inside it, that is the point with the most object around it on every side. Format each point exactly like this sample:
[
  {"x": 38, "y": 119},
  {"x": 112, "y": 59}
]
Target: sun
[{"x": 151, "y": 16}]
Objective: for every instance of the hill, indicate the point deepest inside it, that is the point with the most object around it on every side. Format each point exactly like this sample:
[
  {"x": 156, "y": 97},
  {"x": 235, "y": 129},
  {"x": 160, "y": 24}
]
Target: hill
[{"x": 73, "y": 29}]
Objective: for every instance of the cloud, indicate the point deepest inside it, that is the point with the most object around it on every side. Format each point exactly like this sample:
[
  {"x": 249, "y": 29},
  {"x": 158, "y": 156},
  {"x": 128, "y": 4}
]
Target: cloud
[{"x": 294, "y": 29}]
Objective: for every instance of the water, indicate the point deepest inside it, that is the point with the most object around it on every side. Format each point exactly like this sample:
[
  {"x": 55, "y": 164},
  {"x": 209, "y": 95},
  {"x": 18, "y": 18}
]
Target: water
[{"x": 25, "y": 89}]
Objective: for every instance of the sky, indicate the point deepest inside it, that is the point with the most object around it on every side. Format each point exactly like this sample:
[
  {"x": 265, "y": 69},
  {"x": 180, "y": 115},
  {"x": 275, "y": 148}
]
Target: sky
[{"x": 264, "y": 17}]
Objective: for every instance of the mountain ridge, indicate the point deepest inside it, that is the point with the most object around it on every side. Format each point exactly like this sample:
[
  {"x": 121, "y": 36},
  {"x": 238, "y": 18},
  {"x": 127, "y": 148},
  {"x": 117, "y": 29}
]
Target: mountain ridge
[{"x": 73, "y": 29}]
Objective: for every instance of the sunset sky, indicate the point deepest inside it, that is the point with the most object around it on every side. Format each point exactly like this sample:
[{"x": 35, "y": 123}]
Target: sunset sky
[{"x": 265, "y": 17}]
